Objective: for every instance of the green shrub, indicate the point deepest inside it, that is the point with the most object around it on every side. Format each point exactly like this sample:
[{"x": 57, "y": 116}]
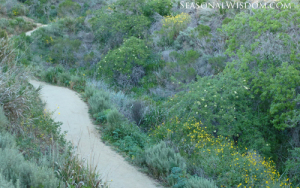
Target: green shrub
[
  {"x": 3, "y": 34},
  {"x": 114, "y": 119},
  {"x": 52, "y": 74},
  {"x": 78, "y": 82},
  {"x": 7, "y": 141},
  {"x": 122, "y": 61},
  {"x": 68, "y": 8},
  {"x": 6, "y": 184},
  {"x": 226, "y": 21},
  {"x": 293, "y": 166},
  {"x": 267, "y": 65},
  {"x": 223, "y": 103},
  {"x": 99, "y": 102},
  {"x": 182, "y": 70},
  {"x": 218, "y": 63},
  {"x": 101, "y": 117},
  {"x": 161, "y": 159},
  {"x": 3, "y": 118},
  {"x": 202, "y": 31},
  {"x": 88, "y": 92},
  {"x": 125, "y": 26},
  {"x": 199, "y": 182},
  {"x": 64, "y": 78},
  {"x": 162, "y": 7},
  {"x": 176, "y": 178},
  {"x": 14, "y": 167}
]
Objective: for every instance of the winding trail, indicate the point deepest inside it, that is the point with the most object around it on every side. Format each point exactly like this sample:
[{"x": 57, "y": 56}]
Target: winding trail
[{"x": 73, "y": 113}]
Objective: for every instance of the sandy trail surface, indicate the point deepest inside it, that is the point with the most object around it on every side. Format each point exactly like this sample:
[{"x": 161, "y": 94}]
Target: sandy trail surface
[
  {"x": 73, "y": 113},
  {"x": 38, "y": 26}
]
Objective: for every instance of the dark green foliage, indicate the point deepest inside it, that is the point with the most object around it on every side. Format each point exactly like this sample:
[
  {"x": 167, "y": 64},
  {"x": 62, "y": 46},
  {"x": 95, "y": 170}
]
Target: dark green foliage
[
  {"x": 199, "y": 2},
  {"x": 272, "y": 75},
  {"x": 62, "y": 51},
  {"x": 226, "y": 21},
  {"x": 218, "y": 63},
  {"x": 122, "y": 61},
  {"x": 293, "y": 165},
  {"x": 183, "y": 68},
  {"x": 112, "y": 35},
  {"x": 44, "y": 11},
  {"x": 51, "y": 75},
  {"x": 129, "y": 139},
  {"x": 224, "y": 105},
  {"x": 162, "y": 7},
  {"x": 161, "y": 159}
]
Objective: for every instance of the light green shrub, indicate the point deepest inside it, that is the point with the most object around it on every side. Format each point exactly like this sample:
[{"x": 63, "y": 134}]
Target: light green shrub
[
  {"x": 64, "y": 78},
  {"x": 3, "y": 118},
  {"x": 161, "y": 159},
  {"x": 78, "y": 82},
  {"x": 14, "y": 167},
  {"x": 199, "y": 182},
  {"x": 114, "y": 119},
  {"x": 99, "y": 102},
  {"x": 4, "y": 183},
  {"x": 7, "y": 141},
  {"x": 88, "y": 92}
]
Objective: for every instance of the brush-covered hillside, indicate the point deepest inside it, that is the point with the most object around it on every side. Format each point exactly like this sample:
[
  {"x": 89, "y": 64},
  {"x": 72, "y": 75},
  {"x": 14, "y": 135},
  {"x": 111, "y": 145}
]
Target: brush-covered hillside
[{"x": 195, "y": 98}]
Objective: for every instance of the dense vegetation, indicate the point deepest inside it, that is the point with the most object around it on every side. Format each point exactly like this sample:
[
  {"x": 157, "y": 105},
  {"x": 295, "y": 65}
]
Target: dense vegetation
[{"x": 194, "y": 98}]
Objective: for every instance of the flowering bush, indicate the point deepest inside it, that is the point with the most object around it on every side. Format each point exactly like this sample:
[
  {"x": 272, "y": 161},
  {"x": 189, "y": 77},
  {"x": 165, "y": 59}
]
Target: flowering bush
[
  {"x": 218, "y": 156},
  {"x": 172, "y": 25}
]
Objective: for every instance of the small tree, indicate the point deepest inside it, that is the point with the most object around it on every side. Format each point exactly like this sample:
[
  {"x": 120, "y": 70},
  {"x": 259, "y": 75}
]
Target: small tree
[{"x": 122, "y": 61}]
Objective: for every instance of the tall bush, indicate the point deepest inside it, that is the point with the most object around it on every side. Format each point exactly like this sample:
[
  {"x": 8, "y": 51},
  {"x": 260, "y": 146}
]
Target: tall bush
[{"x": 123, "y": 62}]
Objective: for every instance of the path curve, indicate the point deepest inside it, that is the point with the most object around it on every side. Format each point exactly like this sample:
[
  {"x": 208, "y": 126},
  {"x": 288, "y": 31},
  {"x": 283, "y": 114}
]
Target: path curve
[
  {"x": 38, "y": 25},
  {"x": 73, "y": 113}
]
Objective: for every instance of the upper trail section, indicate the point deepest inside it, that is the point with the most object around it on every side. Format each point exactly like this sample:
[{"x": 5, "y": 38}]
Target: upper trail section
[{"x": 73, "y": 113}]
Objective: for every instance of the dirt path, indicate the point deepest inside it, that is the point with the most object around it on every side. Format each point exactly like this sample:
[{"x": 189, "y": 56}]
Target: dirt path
[
  {"x": 38, "y": 26},
  {"x": 73, "y": 113}
]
